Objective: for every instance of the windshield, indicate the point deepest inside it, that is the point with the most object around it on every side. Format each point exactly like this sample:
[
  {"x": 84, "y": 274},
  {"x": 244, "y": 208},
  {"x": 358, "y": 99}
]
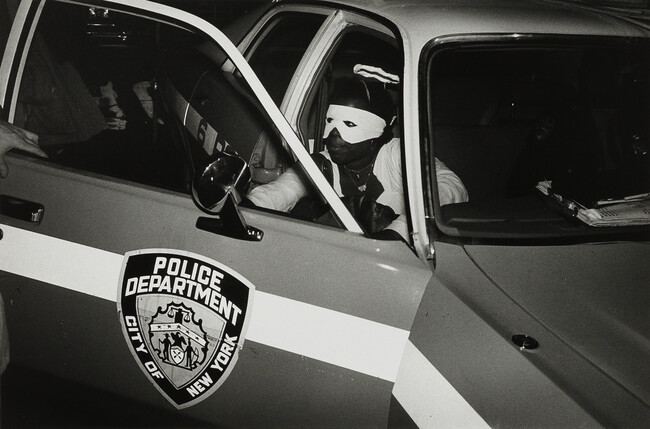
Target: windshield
[{"x": 549, "y": 137}]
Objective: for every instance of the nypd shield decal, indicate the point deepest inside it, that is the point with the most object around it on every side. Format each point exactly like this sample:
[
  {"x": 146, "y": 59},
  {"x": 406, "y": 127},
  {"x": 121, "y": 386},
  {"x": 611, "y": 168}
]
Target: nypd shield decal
[{"x": 184, "y": 318}]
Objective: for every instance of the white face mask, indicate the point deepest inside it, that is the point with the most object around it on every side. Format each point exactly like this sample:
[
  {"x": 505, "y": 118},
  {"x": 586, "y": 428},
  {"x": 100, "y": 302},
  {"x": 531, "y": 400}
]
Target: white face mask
[{"x": 354, "y": 125}]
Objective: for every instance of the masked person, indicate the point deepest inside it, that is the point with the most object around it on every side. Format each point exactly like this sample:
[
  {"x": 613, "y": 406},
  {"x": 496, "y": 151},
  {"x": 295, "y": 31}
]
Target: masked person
[{"x": 363, "y": 163}]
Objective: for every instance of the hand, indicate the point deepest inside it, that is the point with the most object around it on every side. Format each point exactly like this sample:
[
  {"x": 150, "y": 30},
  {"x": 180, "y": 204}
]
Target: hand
[
  {"x": 13, "y": 137},
  {"x": 388, "y": 235},
  {"x": 371, "y": 215}
]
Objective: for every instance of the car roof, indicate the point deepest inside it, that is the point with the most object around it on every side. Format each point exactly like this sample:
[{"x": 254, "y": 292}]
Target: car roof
[{"x": 423, "y": 20}]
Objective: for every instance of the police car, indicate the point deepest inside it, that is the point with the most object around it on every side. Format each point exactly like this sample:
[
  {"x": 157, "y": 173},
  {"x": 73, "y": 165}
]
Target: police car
[{"x": 130, "y": 262}]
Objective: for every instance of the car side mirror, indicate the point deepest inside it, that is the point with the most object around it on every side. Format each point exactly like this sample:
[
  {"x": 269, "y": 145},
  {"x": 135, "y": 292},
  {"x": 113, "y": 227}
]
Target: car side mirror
[
  {"x": 218, "y": 189},
  {"x": 224, "y": 177}
]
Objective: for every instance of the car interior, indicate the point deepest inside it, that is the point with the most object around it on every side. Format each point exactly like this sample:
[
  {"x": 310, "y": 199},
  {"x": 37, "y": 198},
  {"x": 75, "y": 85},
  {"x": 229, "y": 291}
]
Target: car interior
[
  {"x": 126, "y": 97},
  {"x": 355, "y": 46},
  {"x": 507, "y": 119},
  {"x": 78, "y": 92}
]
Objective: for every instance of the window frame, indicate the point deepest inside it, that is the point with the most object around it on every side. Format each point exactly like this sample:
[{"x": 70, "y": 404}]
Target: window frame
[
  {"x": 269, "y": 27},
  {"x": 29, "y": 12},
  {"x": 439, "y": 230}
]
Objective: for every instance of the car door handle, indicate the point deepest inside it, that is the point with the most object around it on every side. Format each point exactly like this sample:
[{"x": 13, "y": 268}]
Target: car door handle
[{"x": 21, "y": 209}]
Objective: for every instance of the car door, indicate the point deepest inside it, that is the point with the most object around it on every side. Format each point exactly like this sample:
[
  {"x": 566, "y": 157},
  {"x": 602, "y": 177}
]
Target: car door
[{"x": 322, "y": 313}]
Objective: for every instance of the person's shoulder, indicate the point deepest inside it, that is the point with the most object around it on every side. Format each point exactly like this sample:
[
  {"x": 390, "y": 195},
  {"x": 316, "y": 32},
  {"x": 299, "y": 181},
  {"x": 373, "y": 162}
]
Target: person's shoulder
[
  {"x": 391, "y": 150},
  {"x": 441, "y": 166},
  {"x": 391, "y": 147},
  {"x": 325, "y": 154},
  {"x": 393, "y": 144}
]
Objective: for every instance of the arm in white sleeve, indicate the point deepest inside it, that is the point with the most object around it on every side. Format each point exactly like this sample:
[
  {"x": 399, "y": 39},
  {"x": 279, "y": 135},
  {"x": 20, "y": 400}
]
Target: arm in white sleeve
[
  {"x": 450, "y": 187},
  {"x": 282, "y": 194},
  {"x": 389, "y": 171}
]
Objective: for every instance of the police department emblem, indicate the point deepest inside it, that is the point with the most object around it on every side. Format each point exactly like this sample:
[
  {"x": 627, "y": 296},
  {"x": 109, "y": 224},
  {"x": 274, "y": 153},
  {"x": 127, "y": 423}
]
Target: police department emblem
[{"x": 184, "y": 318}]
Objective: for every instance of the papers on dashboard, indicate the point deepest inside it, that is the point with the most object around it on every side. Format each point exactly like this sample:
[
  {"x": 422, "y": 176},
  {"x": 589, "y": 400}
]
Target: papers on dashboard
[
  {"x": 628, "y": 213},
  {"x": 632, "y": 210}
]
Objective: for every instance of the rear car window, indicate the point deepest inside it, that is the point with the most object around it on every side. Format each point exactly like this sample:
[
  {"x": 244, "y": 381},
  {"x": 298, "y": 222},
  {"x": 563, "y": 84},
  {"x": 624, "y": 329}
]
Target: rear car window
[
  {"x": 132, "y": 98},
  {"x": 135, "y": 99}
]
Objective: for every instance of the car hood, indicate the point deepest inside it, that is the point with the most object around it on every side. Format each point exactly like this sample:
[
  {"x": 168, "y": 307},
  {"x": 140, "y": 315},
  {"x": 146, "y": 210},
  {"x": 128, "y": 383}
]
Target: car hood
[{"x": 594, "y": 297}]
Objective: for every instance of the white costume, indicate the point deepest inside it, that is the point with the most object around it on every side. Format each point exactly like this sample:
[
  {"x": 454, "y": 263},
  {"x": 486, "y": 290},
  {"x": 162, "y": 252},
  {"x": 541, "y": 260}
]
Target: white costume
[{"x": 283, "y": 193}]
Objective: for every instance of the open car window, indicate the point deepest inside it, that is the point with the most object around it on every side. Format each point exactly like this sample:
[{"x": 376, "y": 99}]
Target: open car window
[
  {"x": 93, "y": 95},
  {"x": 547, "y": 135},
  {"x": 148, "y": 106},
  {"x": 374, "y": 194}
]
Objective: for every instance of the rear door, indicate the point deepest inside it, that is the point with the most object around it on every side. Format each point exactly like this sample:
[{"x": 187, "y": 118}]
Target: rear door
[{"x": 322, "y": 313}]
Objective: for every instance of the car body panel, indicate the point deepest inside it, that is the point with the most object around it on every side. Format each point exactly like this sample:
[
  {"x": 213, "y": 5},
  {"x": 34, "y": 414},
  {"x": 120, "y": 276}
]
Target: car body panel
[
  {"x": 275, "y": 379},
  {"x": 451, "y": 323},
  {"x": 466, "y": 313},
  {"x": 499, "y": 16},
  {"x": 584, "y": 303},
  {"x": 300, "y": 315},
  {"x": 345, "y": 331},
  {"x": 288, "y": 318}
]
